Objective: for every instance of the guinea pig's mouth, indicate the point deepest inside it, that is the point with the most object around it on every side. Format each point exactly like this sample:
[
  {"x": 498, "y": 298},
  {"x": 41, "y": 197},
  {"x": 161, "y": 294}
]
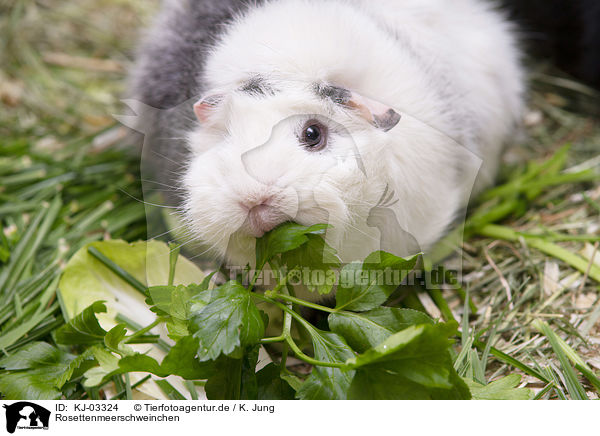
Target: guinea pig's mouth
[{"x": 263, "y": 218}]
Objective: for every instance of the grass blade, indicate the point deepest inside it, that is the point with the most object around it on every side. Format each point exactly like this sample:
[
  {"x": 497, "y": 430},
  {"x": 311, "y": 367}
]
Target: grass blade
[{"x": 574, "y": 387}]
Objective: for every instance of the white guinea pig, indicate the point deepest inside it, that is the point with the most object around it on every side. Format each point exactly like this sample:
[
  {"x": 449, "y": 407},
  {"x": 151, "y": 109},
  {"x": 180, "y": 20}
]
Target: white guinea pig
[{"x": 370, "y": 116}]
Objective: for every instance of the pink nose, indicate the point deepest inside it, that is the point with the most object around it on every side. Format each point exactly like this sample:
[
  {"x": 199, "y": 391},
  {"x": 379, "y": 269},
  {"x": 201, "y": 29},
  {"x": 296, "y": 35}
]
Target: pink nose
[{"x": 263, "y": 218}]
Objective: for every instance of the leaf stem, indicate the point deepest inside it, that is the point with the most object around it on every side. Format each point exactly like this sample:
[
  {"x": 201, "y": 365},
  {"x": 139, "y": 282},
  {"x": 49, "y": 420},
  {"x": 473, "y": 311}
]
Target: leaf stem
[
  {"x": 309, "y": 359},
  {"x": 272, "y": 339},
  {"x": 273, "y": 294},
  {"x": 146, "y": 329},
  {"x": 287, "y": 324},
  {"x": 288, "y": 337},
  {"x": 173, "y": 255},
  {"x": 441, "y": 303},
  {"x": 283, "y": 282},
  {"x": 128, "y": 390},
  {"x": 120, "y": 272},
  {"x": 284, "y": 354}
]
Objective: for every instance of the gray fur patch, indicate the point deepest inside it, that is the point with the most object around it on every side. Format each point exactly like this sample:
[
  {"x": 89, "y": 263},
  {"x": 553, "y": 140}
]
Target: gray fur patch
[
  {"x": 257, "y": 86},
  {"x": 169, "y": 67},
  {"x": 336, "y": 94}
]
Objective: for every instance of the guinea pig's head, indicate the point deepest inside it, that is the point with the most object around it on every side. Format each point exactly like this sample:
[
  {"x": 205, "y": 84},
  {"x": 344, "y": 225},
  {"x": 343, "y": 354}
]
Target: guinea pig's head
[{"x": 267, "y": 152}]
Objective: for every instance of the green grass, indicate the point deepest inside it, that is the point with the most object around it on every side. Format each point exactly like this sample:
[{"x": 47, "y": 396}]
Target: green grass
[
  {"x": 62, "y": 182},
  {"x": 68, "y": 176}
]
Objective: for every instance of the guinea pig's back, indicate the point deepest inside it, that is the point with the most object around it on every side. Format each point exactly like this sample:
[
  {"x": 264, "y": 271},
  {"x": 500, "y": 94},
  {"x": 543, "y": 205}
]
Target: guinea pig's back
[
  {"x": 452, "y": 65},
  {"x": 171, "y": 56},
  {"x": 470, "y": 53}
]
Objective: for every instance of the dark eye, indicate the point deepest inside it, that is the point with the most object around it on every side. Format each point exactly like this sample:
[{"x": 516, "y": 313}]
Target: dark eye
[{"x": 314, "y": 135}]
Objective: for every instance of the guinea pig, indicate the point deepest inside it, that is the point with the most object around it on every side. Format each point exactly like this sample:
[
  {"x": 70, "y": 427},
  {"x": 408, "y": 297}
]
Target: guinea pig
[{"x": 377, "y": 118}]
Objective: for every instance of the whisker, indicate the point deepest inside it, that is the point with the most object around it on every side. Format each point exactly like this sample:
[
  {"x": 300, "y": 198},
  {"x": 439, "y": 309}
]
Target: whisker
[
  {"x": 165, "y": 157},
  {"x": 146, "y": 202},
  {"x": 210, "y": 248},
  {"x": 179, "y": 188},
  {"x": 169, "y": 231}
]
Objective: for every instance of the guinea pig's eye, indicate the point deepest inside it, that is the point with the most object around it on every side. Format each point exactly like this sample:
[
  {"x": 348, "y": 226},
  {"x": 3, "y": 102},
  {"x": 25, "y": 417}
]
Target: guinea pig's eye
[{"x": 314, "y": 135}]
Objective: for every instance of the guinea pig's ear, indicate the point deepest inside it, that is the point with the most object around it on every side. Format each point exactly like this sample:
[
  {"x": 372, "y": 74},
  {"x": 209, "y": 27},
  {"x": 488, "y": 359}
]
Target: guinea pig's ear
[
  {"x": 378, "y": 114},
  {"x": 204, "y": 106}
]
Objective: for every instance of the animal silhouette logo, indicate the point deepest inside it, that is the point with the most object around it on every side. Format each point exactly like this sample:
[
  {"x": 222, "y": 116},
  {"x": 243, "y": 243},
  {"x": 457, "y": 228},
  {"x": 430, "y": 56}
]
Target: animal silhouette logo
[{"x": 26, "y": 415}]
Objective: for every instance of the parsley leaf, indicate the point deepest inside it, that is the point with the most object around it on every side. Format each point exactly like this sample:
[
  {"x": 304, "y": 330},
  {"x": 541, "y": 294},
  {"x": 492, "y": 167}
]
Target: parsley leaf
[
  {"x": 39, "y": 370},
  {"x": 84, "y": 328},
  {"x": 319, "y": 258},
  {"x": 367, "y": 285},
  {"x": 414, "y": 363},
  {"x": 228, "y": 322},
  {"x": 326, "y": 383},
  {"x": 368, "y": 329},
  {"x": 286, "y": 237},
  {"x": 271, "y": 386}
]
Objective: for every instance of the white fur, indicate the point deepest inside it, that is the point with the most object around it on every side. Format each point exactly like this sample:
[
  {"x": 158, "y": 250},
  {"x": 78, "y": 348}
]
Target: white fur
[{"x": 451, "y": 69}]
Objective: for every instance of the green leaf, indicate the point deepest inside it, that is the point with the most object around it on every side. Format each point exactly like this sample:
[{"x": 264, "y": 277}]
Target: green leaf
[
  {"x": 271, "y": 386},
  {"x": 108, "y": 366},
  {"x": 285, "y": 237},
  {"x": 105, "y": 358},
  {"x": 177, "y": 328},
  {"x": 226, "y": 383},
  {"x": 147, "y": 262},
  {"x": 115, "y": 336},
  {"x": 34, "y": 384},
  {"x": 367, "y": 285},
  {"x": 86, "y": 279},
  {"x": 181, "y": 360},
  {"x": 77, "y": 367},
  {"x": 34, "y": 355},
  {"x": 294, "y": 381},
  {"x": 139, "y": 363},
  {"x": 160, "y": 299},
  {"x": 326, "y": 383},
  {"x": 227, "y": 323},
  {"x": 234, "y": 379},
  {"x": 176, "y": 303},
  {"x": 173, "y": 300},
  {"x": 414, "y": 363},
  {"x": 84, "y": 328},
  {"x": 180, "y": 301},
  {"x": 249, "y": 387},
  {"x": 368, "y": 329},
  {"x": 38, "y": 371},
  {"x": 318, "y": 259},
  {"x": 502, "y": 389}
]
